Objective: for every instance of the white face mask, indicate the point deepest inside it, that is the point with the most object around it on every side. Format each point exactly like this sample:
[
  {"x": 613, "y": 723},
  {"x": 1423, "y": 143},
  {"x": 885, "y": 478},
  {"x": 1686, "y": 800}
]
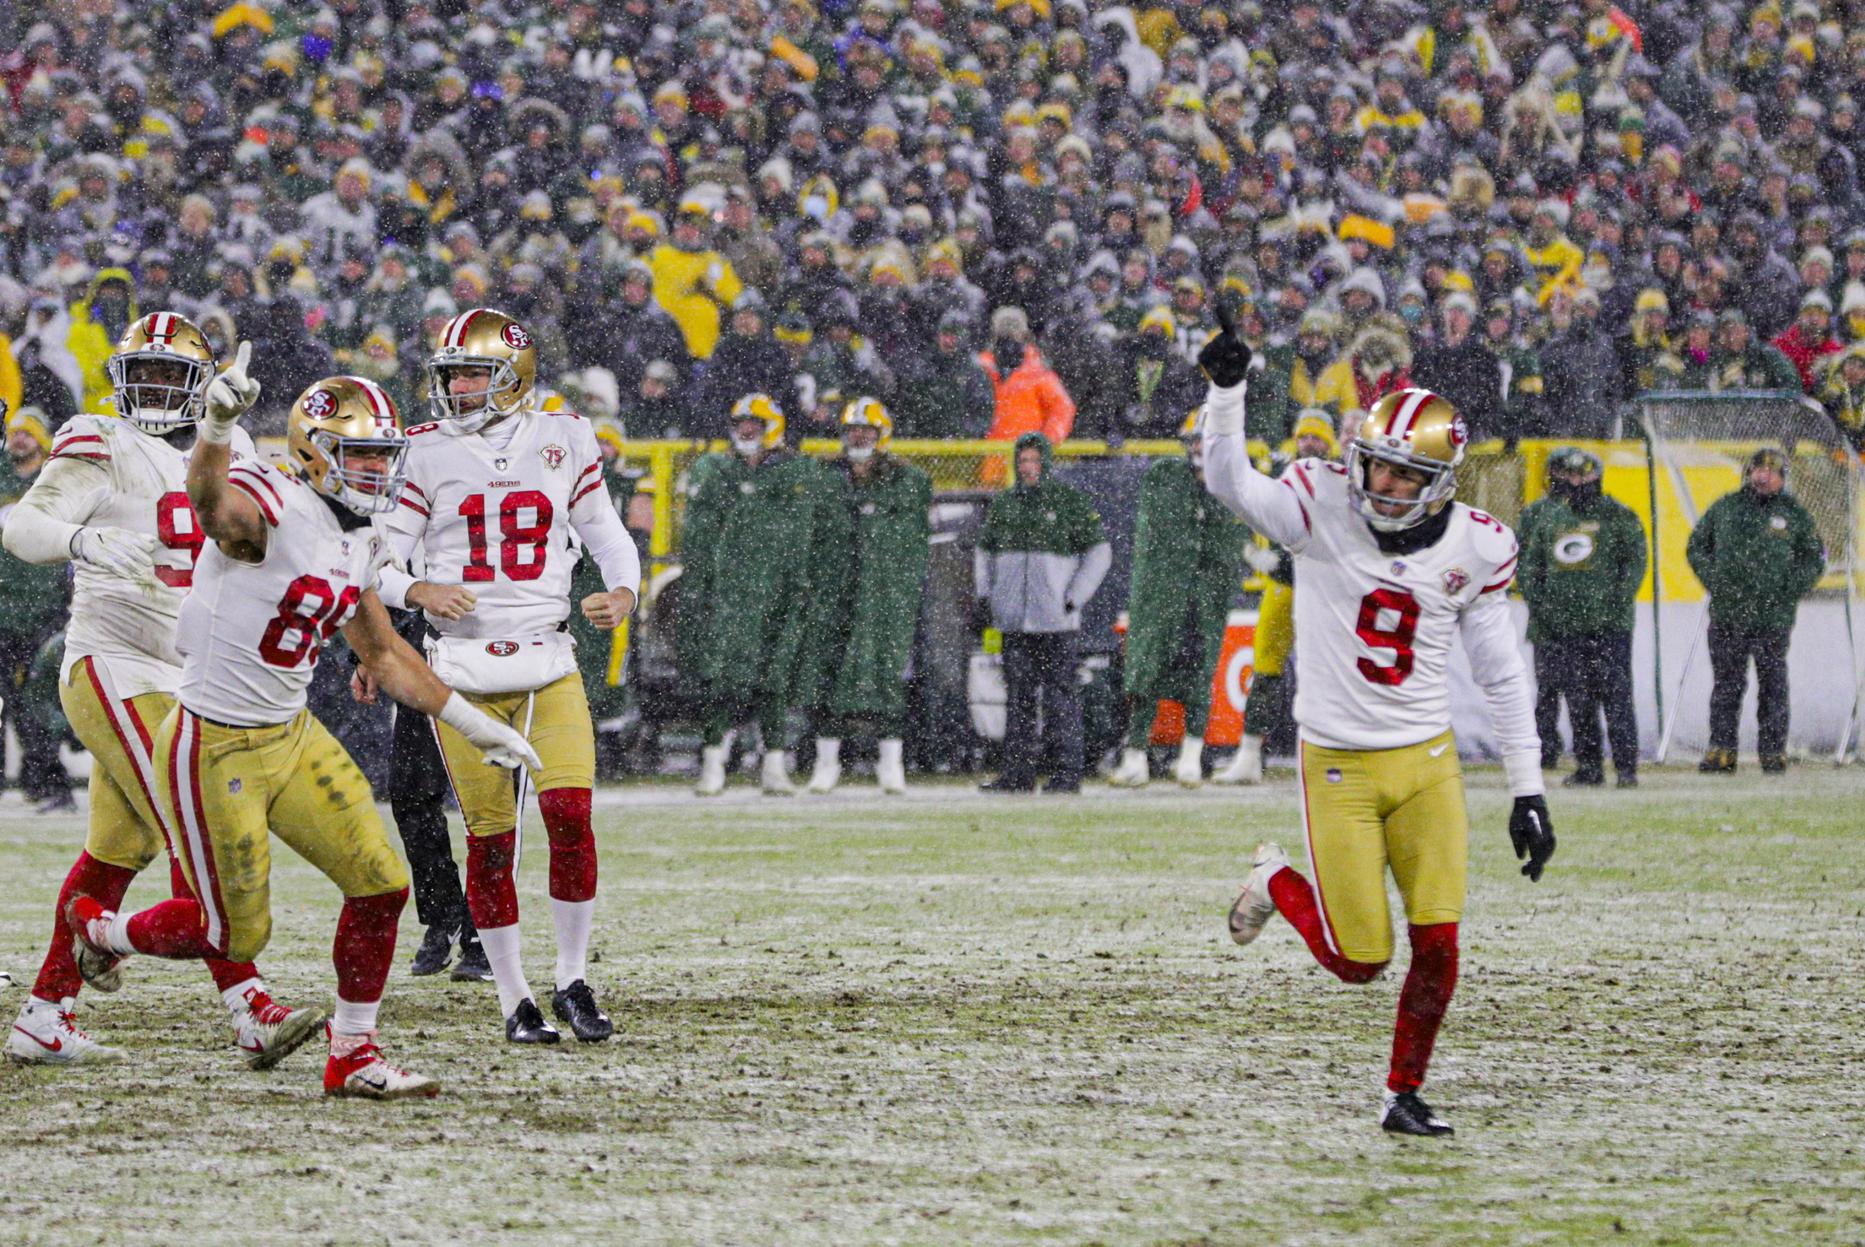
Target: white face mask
[
  {"x": 747, "y": 446},
  {"x": 859, "y": 454}
]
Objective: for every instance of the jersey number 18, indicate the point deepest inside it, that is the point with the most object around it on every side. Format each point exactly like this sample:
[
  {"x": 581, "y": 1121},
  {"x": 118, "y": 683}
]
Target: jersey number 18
[{"x": 523, "y": 547}]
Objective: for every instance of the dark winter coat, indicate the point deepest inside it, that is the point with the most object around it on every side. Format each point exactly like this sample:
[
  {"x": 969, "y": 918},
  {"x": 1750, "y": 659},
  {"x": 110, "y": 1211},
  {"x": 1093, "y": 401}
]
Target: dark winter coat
[
  {"x": 1757, "y": 557},
  {"x": 744, "y": 590},
  {"x": 1041, "y": 554},
  {"x": 1470, "y": 378},
  {"x": 1187, "y": 566},
  {"x": 1580, "y": 566},
  {"x": 1580, "y": 373},
  {"x": 1148, "y": 398},
  {"x": 868, "y": 565},
  {"x": 739, "y": 366},
  {"x": 944, "y": 396}
]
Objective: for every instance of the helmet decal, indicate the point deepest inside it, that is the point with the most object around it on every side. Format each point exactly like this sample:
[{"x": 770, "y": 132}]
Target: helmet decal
[
  {"x": 319, "y": 404},
  {"x": 516, "y": 337}
]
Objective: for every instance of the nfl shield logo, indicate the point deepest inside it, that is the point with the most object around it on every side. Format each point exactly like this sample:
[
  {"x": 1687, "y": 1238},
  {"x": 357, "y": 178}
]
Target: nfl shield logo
[
  {"x": 1333, "y": 775},
  {"x": 552, "y": 456},
  {"x": 1455, "y": 579},
  {"x": 233, "y": 786},
  {"x": 501, "y": 463}
]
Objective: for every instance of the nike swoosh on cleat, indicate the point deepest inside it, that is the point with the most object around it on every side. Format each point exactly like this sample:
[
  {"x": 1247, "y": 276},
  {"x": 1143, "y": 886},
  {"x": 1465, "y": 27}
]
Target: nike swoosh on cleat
[
  {"x": 378, "y": 1083},
  {"x": 57, "y": 1045}
]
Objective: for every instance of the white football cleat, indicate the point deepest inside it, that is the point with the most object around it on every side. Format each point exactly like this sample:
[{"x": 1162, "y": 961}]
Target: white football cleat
[
  {"x": 828, "y": 772},
  {"x": 890, "y": 768},
  {"x": 1189, "y": 769},
  {"x": 360, "y": 1070},
  {"x": 1254, "y": 906},
  {"x": 1245, "y": 766},
  {"x": 268, "y": 1032},
  {"x": 775, "y": 780},
  {"x": 46, "y": 1033},
  {"x": 711, "y": 771},
  {"x": 1131, "y": 772}
]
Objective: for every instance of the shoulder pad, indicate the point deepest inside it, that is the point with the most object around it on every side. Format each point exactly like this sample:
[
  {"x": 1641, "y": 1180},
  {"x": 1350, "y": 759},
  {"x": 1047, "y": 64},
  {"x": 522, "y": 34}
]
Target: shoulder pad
[{"x": 1491, "y": 539}]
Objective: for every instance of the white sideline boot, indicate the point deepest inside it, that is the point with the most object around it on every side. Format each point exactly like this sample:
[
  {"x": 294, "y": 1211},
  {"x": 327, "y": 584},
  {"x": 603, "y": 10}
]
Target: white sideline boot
[
  {"x": 711, "y": 771},
  {"x": 828, "y": 772},
  {"x": 776, "y": 777},
  {"x": 1245, "y": 766},
  {"x": 1131, "y": 772},
  {"x": 1189, "y": 769},
  {"x": 891, "y": 769}
]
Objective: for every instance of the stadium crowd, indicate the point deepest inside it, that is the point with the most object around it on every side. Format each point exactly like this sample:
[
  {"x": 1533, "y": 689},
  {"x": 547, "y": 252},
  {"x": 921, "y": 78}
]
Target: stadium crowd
[{"x": 998, "y": 217}]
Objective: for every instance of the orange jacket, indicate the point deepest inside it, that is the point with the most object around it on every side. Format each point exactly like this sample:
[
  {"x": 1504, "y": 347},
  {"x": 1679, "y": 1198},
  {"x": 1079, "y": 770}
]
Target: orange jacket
[{"x": 1030, "y": 400}]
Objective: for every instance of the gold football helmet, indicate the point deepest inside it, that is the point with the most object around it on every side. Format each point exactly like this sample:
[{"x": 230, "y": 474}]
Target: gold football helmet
[
  {"x": 160, "y": 372},
  {"x": 486, "y": 341},
  {"x": 335, "y": 423},
  {"x": 1413, "y": 429},
  {"x": 758, "y": 407},
  {"x": 867, "y": 412}
]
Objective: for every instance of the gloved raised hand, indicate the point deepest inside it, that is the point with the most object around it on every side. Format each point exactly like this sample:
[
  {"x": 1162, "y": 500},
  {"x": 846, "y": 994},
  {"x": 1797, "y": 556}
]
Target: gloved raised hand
[
  {"x": 1226, "y": 357},
  {"x": 1532, "y": 835},
  {"x": 115, "y": 550},
  {"x": 229, "y": 396}
]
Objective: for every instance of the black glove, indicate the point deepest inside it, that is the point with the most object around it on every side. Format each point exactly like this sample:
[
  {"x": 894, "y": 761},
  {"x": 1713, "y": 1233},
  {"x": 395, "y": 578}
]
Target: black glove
[
  {"x": 1225, "y": 358},
  {"x": 1532, "y": 834}
]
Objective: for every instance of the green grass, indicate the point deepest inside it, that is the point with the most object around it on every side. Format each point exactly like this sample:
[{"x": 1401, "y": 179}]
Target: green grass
[{"x": 957, "y": 1019}]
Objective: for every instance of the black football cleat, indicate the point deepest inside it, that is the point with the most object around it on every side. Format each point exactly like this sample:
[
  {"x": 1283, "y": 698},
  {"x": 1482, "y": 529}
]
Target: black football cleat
[
  {"x": 1628, "y": 779},
  {"x": 435, "y": 952},
  {"x": 1000, "y": 784},
  {"x": 1773, "y": 764},
  {"x": 1405, "y": 1113},
  {"x": 472, "y": 967},
  {"x": 1586, "y": 777},
  {"x": 1717, "y": 762},
  {"x": 576, "y": 1004},
  {"x": 527, "y": 1024}
]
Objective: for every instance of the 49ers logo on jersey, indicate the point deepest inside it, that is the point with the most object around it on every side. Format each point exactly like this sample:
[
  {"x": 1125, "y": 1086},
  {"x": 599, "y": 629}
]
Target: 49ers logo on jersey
[
  {"x": 501, "y": 649},
  {"x": 319, "y": 404},
  {"x": 1455, "y": 580},
  {"x": 515, "y": 337},
  {"x": 553, "y": 456}
]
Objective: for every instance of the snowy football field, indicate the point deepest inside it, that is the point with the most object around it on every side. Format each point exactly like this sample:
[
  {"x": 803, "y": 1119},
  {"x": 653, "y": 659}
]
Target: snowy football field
[{"x": 961, "y": 1019}]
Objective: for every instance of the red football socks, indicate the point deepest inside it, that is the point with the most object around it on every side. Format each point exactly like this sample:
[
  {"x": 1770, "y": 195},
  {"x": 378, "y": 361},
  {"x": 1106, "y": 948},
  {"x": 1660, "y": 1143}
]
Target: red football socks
[
  {"x": 1422, "y": 1003},
  {"x": 58, "y": 973},
  {"x": 572, "y": 843},
  {"x": 491, "y": 896},
  {"x": 174, "y": 929},
  {"x": 1295, "y": 900},
  {"x": 365, "y": 944}
]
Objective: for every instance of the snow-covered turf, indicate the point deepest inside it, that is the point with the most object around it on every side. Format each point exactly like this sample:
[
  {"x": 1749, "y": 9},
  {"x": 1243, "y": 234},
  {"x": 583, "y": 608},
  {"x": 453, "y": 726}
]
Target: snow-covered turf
[{"x": 959, "y": 1019}]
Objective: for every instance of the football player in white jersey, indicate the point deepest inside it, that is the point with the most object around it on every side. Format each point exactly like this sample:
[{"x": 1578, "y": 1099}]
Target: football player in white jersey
[
  {"x": 113, "y": 501},
  {"x": 1391, "y": 571},
  {"x": 293, "y": 557},
  {"x": 496, "y": 487}
]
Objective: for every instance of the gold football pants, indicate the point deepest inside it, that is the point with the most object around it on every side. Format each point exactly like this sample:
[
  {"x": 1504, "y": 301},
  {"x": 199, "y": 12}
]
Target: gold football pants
[{"x": 1365, "y": 811}]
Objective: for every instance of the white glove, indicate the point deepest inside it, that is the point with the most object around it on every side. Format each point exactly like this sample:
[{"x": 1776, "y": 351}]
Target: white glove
[
  {"x": 229, "y": 396},
  {"x": 117, "y": 551},
  {"x": 501, "y": 745},
  {"x": 1261, "y": 559}
]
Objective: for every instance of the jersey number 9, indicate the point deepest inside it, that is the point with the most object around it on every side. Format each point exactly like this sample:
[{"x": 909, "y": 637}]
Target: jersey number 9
[{"x": 1401, "y": 609}]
